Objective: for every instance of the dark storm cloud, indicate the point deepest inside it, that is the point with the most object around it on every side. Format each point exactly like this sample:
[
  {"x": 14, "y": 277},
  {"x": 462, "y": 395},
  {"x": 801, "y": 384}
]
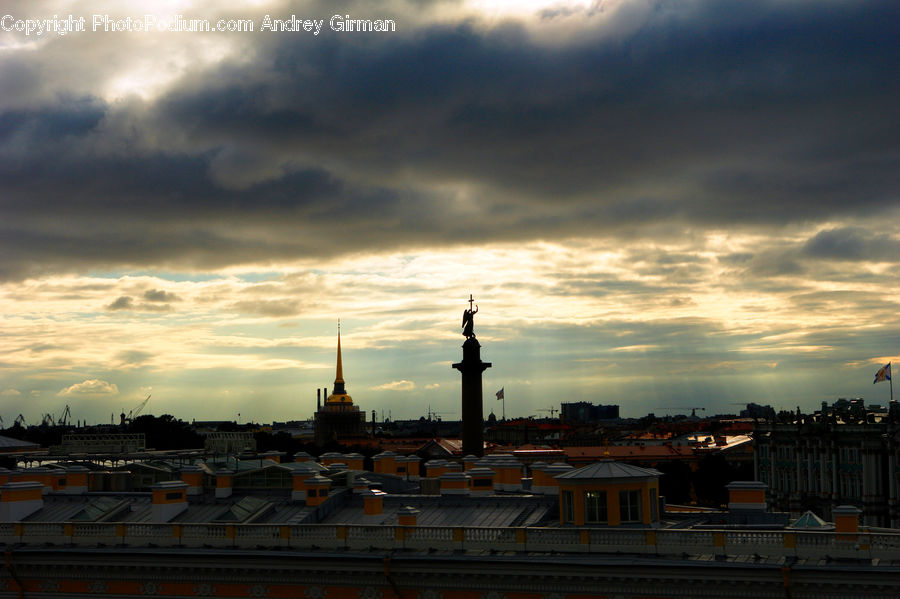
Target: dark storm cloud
[
  {"x": 269, "y": 308},
  {"x": 132, "y": 358},
  {"x": 707, "y": 114},
  {"x": 126, "y": 302},
  {"x": 853, "y": 244},
  {"x": 122, "y": 303},
  {"x": 158, "y": 295}
]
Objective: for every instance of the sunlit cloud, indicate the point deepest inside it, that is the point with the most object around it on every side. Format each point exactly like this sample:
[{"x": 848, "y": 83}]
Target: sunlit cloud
[
  {"x": 403, "y": 385},
  {"x": 90, "y": 388}
]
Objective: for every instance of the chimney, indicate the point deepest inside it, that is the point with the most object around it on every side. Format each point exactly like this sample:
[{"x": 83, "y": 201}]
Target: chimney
[
  {"x": 385, "y": 462},
  {"x": 412, "y": 467},
  {"x": 435, "y": 468},
  {"x": 747, "y": 495},
  {"x": 354, "y": 461},
  {"x": 455, "y": 483},
  {"x": 318, "y": 400},
  {"x": 224, "y": 483},
  {"x": 299, "y": 489},
  {"x": 406, "y": 516},
  {"x": 76, "y": 480},
  {"x": 481, "y": 481},
  {"x": 509, "y": 472},
  {"x": 360, "y": 485},
  {"x": 317, "y": 487},
  {"x": 169, "y": 500},
  {"x": 19, "y": 500},
  {"x": 846, "y": 519},
  {"x": 538, "y": 478},
  {"x": 552, "y": 471},
  {"x": 193, "y": 476},
  {"x": 373, "y": 502}
]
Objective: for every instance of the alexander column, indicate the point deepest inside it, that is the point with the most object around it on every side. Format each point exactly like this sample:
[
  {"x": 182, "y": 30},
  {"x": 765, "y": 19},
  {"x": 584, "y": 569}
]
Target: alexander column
[{"x": 471, "y": 368}]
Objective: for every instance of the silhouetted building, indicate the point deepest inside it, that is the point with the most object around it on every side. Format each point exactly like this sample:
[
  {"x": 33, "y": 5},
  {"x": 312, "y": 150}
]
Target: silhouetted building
[
  {"x": 339, "y": 419},
  {"x": 582, "y": 411}
]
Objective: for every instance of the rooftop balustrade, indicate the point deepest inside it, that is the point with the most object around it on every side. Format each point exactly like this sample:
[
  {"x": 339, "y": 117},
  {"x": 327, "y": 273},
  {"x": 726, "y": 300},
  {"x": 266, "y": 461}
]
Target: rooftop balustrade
[{"x": 754, "y": 544}]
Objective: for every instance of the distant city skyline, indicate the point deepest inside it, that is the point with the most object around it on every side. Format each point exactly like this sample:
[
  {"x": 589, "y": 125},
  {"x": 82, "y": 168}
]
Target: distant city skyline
[{"x": 656, "y": 205}]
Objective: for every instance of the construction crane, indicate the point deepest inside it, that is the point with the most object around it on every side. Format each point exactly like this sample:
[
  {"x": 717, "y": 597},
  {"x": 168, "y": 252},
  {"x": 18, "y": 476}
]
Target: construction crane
[
  {"x": 433, "y": 413},
  {"x": 47, "y": 420},
  {"x": 551, "y": 410},
  {"x": 64, "y": 419},
  {"x": 20, "y": 420},
  {"x": 134, "y": 412}
]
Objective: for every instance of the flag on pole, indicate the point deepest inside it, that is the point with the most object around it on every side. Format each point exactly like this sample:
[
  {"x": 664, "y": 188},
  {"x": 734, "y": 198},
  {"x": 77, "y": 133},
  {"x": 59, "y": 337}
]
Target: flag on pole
[
  {"x": 500, "y": 392},
  {"x": 883, "y": 374}
]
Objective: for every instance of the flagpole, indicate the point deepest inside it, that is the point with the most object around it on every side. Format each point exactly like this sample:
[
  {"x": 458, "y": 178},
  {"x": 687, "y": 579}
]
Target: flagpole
[{"x": 503, "y": 402}]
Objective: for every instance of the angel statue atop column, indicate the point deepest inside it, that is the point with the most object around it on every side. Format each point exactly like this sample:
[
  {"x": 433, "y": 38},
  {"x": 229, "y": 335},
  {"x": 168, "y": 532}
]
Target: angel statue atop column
[{"x": 468, "y": 319}]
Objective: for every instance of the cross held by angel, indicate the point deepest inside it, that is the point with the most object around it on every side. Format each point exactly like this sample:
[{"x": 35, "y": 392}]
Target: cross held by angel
[{"x": 468, "y": 319}]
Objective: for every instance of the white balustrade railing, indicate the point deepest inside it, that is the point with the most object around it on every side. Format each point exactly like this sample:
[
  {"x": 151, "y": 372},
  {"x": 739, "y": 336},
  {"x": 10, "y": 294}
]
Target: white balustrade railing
[
  {"x": 313, "y": 533},
  {"x": 624, "y": 537},
  {"x": 554, "y": 536},
  {"x": 815, "y": 540},
  {"x": 212, "y": 532},
  {"x": 146, "y": 531},
  {"x": 370, "y": 533},
  {"x": 440, "y": 535},
  {"x": 42, "y": 529},
  {"x": 754, "y": 538},
  {"x": 684, "y": 539},
  {"x": 575, "y": 540},
  {"x": 101, "y": 530}
]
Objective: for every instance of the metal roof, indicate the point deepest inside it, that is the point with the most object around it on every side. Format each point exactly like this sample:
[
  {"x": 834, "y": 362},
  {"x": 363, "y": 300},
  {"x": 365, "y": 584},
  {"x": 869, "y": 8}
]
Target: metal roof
[
  {"x": 608, "y": 469},
  {"x": 7, "y": 443},
  {"x": 810, "y": 521},
  {"x": 492, "y": 511}
]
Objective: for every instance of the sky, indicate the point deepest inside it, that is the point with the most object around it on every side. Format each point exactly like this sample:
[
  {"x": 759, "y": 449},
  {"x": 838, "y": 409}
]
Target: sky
[{"x": 660, "y": 204}]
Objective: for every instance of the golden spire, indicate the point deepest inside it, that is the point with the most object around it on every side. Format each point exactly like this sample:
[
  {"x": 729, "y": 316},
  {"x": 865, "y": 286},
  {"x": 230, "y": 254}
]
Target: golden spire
[{"x": 339, "y": 374}]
